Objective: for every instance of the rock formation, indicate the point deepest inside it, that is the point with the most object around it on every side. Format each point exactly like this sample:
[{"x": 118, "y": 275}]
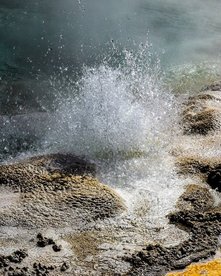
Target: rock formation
[
  {"x": 56, "y": 218},
  {"x": 199, "y": 207}
]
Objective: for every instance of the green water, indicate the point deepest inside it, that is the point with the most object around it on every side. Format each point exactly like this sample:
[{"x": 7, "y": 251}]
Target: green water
[
  {"x": 37, "y": 35},
  {"x": 45, "y": 46}
]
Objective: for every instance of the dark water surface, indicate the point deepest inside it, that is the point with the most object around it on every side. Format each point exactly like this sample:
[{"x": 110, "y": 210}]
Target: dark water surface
[{"x": 45, "y": 35}]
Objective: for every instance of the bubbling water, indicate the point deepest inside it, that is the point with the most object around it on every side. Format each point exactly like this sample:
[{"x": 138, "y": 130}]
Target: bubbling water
[
  {"x": 115, "y": 110},
  {"x": 125, "y": 121}
]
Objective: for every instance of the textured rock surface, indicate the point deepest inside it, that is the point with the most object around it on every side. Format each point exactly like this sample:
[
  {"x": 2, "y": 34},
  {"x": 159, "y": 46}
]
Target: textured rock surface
[
  {"x": 196, "y": 198},
  {"x": 45, "y": 188},
  {"x": 66, "y": 221},
  {"x": 202, "y": 222},
  {"x": 199, "y": 211},
  {"x": 56, "y": 194},
  {"x": 201, "y": 113},
  {"x": 57, "y": 219}
]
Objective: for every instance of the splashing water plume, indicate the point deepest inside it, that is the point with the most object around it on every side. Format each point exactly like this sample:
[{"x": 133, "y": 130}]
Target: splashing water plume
[
  {"x": 124, "y": 120},
  {"x": 112, "y": 110}
]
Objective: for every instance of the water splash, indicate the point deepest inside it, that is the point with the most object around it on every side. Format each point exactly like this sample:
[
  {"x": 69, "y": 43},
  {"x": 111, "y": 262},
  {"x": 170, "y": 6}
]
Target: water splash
[
  {"x": 115, "y": 110},
  {"x": 123, "y": 119}
]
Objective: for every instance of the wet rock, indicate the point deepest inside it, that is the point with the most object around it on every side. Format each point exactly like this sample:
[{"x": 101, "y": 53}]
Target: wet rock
[
  {"x": 216, "y": 86},
  {"x": 54, "y": 192},
  {"x": 201, "y": 114},
  {"x": 214, "y": 178},
  {"x": 201, "y": 122},
  {"x": 200, "y": 219},
  {"x": 194, "y": 165},
  {"x": 29, "y": 174},
  {"x": 43, "y": 241},
  {"x": 64, "y": 267},
  {"x": 203, "y": 242},
  {"x": 65, "y": 164},
  {"x": 196, "y": 198},
  {"x": 208, "y": 169}
]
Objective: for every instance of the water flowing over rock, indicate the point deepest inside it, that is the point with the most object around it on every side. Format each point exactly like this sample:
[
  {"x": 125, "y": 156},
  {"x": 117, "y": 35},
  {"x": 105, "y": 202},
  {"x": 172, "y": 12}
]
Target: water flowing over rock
[
  {"x": 68, "y": 222},
  {"x": 202, "y": 113},
  {"x": 199, "y": 207},
  {"x": 55, "y": 190},
  {"x": 110, "y": 126}
]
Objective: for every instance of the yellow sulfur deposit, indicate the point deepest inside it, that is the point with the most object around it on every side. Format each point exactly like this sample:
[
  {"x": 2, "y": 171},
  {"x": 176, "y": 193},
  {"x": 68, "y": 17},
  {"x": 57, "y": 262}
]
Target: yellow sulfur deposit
[{"x": 212, "y": 268}]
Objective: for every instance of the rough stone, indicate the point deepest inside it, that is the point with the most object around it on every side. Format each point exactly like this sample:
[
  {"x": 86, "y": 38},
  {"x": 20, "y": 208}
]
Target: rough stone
[
  {"x": 43, "y": 241},
  {"x": 204, "y": 228},
  {"x": 196, "y": 198},
  {"x": 195, "y": 165},
  {"x": 200, "y": 114},
  {"x": 51, "y": 192},
  {"x": 208, "y": 169},
  {"x": 201, "y": 122}
]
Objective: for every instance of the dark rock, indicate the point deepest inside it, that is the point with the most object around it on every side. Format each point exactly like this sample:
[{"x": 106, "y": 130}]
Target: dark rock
[
  {"x": 191, "y": 165},
  {"x": 40, "y": 269},
  {"x": 17, "y": 256},
  {"x": 39, "y": 236},
  {"x": 199, "y": 117},
  {"x": 214, "y": 179},
  {"x": 201, "y": 122},
  {"x": 43, "y": 241},
  {"x": 196, "y": 198},
  {"x": 64, "y": 267},
  {"x": 56, "y": 248},
  {"x": 204, "y": 227},
  {"x": 6, "y": 263}
]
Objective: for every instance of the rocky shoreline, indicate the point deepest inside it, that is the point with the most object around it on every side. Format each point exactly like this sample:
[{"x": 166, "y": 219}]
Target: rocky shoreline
[{"x": 56, "y": 218}]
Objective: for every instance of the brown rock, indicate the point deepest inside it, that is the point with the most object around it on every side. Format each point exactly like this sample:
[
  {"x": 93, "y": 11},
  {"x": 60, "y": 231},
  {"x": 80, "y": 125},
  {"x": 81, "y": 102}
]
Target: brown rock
[
  {"x": 216, "y": 86},
  {"x": 195, "y": 165},
  {"x": 200, "y": 114},
  {"x": 196, "y": 198},
  {"x": 201, "y": 122},
  {"x": 52, "y": 192}
]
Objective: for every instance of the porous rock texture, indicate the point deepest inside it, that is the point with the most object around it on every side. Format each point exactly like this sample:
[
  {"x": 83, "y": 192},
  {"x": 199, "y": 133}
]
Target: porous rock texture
[
  {"x": 57, "y": 219},
  {"x": 201, "y": 221},
  {"x": 62, "y": 221},
  {"x": 55, "y": 192},
  {"x": 51, "y": 185},
  {"x": 199, "y": 207},
  {"x": 202, "y": 112}
]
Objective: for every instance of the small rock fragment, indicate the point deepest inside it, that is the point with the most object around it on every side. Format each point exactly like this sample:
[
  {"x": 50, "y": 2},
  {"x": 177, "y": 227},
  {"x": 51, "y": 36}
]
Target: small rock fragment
[
  {"x": 64, "y": 267},
  {"x": 56, "y": 248}
]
